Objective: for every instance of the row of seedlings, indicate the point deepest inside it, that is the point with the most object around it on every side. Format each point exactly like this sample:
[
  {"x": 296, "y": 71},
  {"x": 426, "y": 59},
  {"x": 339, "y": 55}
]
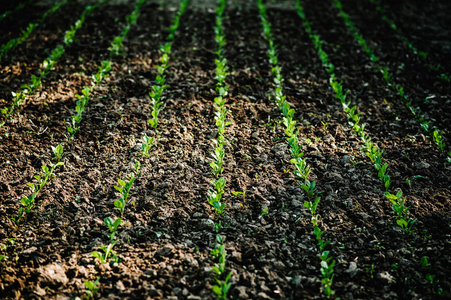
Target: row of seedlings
[
  {"x": 408, "y": 43},
  {"x": 124, "y": 185},
  {"x": 36, "y": 81},
  {"x": 103, "y": 71},
  {"x": 12, "y": 44},
  {"x": 19, "y": 7},
  {"x": 215, "y": 195},
  {"x": 301, "y": 168},
  {"x": 106, "y": 253},
  {"x": 160, "y": 80},
  {"x": 116, "y": 45},
  {"x": 370, "y": 149},
  {"x": 397, "y": 200},
  {"x": 28, "y": 203},
  {"x": 435, "y": 133}
]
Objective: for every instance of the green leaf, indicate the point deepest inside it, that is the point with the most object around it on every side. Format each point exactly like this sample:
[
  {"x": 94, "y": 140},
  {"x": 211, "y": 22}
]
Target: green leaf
[
  {"x": 121, "y": 182},
  {"x": 390, "y": 196},
  {"x": 403, "y": 223},
  {"x": 108, "y": 222},
  {"x": 217, "y": 290}
]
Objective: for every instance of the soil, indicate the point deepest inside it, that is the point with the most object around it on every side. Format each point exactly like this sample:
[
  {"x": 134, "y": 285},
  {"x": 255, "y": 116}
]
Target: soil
[{"x": 164, "y": 246}]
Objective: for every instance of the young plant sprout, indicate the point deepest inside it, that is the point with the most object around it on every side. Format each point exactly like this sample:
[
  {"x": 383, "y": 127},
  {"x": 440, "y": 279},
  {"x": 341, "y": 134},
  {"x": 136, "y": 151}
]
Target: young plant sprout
[
  {"x": 219, "y": 253},
  {"x": 124, "y": 188},
  {"x": 47, "y": 65},
  {"x": 92, "y": 288},
  {"x": 214, "y": 196},
  {"x": 147, "y": 143},
  {"x": 423, "y": 55},
  {"x": 106, "y": 253},
  {"x": 112, "y": 226},
  {"x": 58, "y": 152},
  {"x": 221, "y": 112}
]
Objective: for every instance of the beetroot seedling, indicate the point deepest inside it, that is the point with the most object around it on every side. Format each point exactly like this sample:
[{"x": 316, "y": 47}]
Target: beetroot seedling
[
  {"x": 92, "y": 287},
  {"x": 124, "y": 188}
]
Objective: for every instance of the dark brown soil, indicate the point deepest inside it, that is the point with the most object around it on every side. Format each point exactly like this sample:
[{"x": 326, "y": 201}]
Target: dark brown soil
[{"x": 164, "y": 246}]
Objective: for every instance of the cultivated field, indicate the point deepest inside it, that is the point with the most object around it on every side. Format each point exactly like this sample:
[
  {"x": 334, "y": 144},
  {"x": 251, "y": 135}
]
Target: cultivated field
[{"x": 231, "y": 149}]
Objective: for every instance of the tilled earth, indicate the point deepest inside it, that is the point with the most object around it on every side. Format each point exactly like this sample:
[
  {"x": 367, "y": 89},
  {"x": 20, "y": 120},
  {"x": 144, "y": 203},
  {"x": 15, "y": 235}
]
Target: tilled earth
[{"x": 164, "y": 246}]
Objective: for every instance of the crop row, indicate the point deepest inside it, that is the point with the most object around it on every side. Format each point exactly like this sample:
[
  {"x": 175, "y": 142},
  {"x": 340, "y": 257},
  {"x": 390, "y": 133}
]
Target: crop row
[
  {"x": 301, "y": 168},
  {"x": 215, "y": 195},
  {"x": 12, "y": 44},
  {"x": 21, "y": 97},
  {"x": 435, "y": 133},
  {"x": 18, "y": 8},
  {"x": 106, "y": 255},
  {"x": 407, "y": 42}
]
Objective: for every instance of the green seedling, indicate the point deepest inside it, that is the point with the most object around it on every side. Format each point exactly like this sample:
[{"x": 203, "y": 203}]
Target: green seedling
[
  {"x": 318, "y": 234},
  {"x": 264, "y": 211},
  {"x": 218, "y": 155},
  {"x": 70, "y": 34},
  {"x": 423, "y": 55},
  {"x": 28, "y": 203},
  {"x": 370, "y": 270},
  {"x": 370, "y": 149},
  {"x": 147, "y": 143},
  {"x": 435, "y": 134},
  {"x": 4, "y": 49},
  {"x": 106, "y": 254},
  {"x": 425, "y": 262},
  {"x": 33, "y": 85},
  {"x": 11, "y": 241},
  {"x": 124, "y": 188},
  {"x": 325, "y": 125},
  {"x": 157, "y": 104},
  {"x": 92, "y": 287},
  {"x": 18, "y": 100},
  {"x": 58, "y": 152},
  {"x": 236, "y": 194},
  {"x": 116, "y": 45},
  {"x": 86, "y": 96},
  {"x": 222, "y": 288},
  {"x": 327, "y": 267},
  {"x": 218, "y": 226},
  {"x": 404, "y": 221},
  {"x": 112, "y": 225},
  {"x": 220, "y": 254},
  {"x": 214, "y": 196},
  {"x": 327, "y": 270}
]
